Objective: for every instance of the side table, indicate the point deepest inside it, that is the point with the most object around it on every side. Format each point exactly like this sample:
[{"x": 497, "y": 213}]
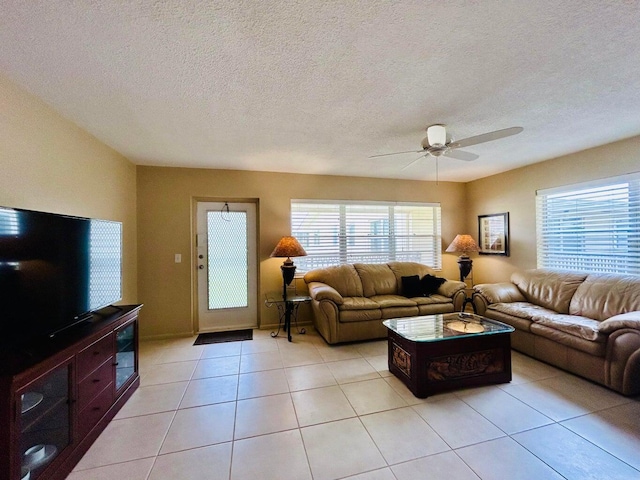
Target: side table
[{"x": 287, "y": 310}]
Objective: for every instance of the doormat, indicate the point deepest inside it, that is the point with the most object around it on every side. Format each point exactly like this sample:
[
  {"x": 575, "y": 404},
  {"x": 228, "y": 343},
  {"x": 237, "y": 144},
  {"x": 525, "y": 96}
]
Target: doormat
[{"x": 219, "y": 337}]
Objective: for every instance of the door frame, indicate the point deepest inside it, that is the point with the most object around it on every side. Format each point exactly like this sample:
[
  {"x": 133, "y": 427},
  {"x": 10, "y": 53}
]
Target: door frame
[{"x": 195, "y": 320}]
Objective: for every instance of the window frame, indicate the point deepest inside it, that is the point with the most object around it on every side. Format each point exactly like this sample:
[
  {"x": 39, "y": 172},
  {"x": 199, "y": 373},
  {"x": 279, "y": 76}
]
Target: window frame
[
  {"x": 381, "y": 232},
  {"x": 591, "y": 226}
]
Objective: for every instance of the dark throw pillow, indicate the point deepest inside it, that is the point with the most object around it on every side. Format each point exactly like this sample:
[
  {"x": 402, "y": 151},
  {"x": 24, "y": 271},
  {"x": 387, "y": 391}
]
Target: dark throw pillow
[
  {"x": 411, "y": 286},
  {"x": 430, "y": 284}
]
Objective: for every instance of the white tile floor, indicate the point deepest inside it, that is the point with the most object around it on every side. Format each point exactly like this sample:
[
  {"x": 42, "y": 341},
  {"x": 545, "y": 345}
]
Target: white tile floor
[{"x": 269, "y": 409}]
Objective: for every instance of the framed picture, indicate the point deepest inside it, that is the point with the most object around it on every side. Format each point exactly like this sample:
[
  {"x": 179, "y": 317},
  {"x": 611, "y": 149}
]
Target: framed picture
[{"x": 493, "y": 234}]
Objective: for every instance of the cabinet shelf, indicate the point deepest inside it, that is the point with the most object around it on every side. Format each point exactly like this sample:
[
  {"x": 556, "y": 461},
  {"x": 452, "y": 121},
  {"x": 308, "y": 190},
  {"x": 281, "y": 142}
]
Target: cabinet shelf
[{"x": 47, "y": 409}]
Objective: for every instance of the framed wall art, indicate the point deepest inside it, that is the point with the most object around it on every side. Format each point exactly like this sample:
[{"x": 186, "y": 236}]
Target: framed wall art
[{"x": 493, "y": 234}]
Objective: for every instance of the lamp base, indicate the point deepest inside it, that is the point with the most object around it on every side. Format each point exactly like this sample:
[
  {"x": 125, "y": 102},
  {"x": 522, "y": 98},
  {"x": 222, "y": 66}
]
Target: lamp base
[
  {"x": 465, "y": 265},
  {"x": 288, "y": 272}
]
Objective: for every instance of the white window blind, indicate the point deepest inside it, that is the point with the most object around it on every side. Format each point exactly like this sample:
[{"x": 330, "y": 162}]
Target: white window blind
[
  {"x": 338, "y": 232},
  {"x": 9, "y": 225},
  {"x": 590, "y": 227}
]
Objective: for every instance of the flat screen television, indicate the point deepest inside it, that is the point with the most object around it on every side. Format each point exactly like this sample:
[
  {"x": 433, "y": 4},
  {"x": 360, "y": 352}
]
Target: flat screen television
[{"x": 55, "y": 270}]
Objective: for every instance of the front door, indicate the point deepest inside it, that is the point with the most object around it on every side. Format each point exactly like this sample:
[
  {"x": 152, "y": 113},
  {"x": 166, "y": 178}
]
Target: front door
[{"x": 227, "y": 266}]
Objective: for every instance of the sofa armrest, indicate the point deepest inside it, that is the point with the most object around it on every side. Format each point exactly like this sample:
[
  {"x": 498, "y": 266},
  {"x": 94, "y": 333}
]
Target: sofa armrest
[
  {"x": 451, "y": 287},
  {"x": 622, "y": 361},
  {"x": 617, "y": 322},
  {"x": 321, "y": 291},
  {"x": 487, "y": 293},
  {"x": 499, "y": 292}
]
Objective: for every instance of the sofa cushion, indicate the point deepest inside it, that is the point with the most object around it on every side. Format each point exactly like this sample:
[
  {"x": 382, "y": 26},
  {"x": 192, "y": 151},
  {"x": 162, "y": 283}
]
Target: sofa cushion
[
  {"x": 358, "y": 303},
  {"x": 518, "y": 323},
  {"x": 343, "y": 278},
  {"x": 548, "y": 288},
  {"x": 524, "y": 310},
  {"x": 435, "y": 308},
  {"x": 603, "y": 295},
  {"x": 377, "y": 279},
  {"x": 349, "y": 316},
  {"x": 411, "y": 286},
  {"x": 432, "y": 299},
  {"x": 395, "y": 312},
  {"x": 597, "y": 348},
  {"x": 576, "y": 325},
  {"x": 387, "y": 301},
  {"x": 431, "y": 284}
]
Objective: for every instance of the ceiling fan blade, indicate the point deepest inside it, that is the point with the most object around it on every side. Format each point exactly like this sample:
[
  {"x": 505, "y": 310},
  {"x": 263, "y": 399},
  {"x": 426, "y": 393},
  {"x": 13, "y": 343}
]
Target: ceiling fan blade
[
  {"x": 461, "y": 155},
  {"x": 412, "y": 163},
  {"x": 394, "y": 153},
  {"x": 486, "y": 137}
]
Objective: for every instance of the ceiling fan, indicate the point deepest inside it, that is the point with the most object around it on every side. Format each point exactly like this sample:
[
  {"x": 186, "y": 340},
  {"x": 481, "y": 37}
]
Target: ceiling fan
[{"x": 438, "y": 143}]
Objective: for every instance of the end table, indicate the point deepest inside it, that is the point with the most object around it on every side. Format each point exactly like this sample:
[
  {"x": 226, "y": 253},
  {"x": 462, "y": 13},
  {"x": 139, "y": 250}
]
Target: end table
[{"x": 287, "y": 310}]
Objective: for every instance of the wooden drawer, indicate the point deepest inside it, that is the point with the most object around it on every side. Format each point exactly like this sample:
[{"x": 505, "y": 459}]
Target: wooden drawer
[
  {"x": 95, "y": 410},
  {"x": 94, "y": 383},
  {"x": 94, "y": 355}
]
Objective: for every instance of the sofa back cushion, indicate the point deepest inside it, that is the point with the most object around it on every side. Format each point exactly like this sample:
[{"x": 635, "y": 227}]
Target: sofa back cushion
[
  {"x": 548, "y": 288},
  {"x": 343, "y": 278},
  {"x": 604, "y": 295},
  {"x": 406, "y": 269},
  {"x": 377, "y": 279}
]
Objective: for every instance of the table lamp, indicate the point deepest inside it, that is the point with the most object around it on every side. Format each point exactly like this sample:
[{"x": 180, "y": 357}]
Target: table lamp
[
  {"x": 465, "y": 244},
  {"x": 288, "y": 247}
]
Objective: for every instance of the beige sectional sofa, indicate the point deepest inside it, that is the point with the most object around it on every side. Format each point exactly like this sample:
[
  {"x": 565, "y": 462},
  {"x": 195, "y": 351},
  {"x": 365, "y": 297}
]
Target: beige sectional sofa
[
  {"x": 350, "y": 301},
  {"x": 588, "y": 324}
]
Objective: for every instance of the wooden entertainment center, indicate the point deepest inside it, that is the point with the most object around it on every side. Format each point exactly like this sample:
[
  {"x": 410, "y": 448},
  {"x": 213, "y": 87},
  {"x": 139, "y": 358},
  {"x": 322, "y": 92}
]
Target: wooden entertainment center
[{"x": 57, "y": 396}]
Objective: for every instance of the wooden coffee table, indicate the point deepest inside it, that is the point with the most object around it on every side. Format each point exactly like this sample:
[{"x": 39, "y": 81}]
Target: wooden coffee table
[{"x": 436, "y": 353}]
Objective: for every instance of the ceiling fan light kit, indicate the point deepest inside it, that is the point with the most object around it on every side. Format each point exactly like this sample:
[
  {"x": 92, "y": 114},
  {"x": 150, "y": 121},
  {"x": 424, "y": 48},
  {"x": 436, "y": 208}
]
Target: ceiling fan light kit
[{"x": 436, "y": 136}]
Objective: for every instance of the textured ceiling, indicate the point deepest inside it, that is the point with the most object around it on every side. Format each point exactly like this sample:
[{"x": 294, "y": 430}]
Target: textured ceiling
[{"x": 319, "y": 86}]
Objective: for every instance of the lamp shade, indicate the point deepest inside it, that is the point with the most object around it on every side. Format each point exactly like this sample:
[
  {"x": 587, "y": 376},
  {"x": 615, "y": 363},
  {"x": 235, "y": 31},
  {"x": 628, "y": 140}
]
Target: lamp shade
[
  {"x": 463, "y": 243},
  {"x": 288, "y": 247}
]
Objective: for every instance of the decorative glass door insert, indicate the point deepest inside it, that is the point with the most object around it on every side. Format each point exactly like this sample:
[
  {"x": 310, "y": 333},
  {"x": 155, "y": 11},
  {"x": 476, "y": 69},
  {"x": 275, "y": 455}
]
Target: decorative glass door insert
[{"x": 227, "y": 266}]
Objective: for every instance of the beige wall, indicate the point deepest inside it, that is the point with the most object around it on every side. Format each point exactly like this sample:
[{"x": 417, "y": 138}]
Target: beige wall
[
  {"x": 165, "y": 199},
  {"x": 51, "y": 165},
  {"x": 515, "y": 192}
]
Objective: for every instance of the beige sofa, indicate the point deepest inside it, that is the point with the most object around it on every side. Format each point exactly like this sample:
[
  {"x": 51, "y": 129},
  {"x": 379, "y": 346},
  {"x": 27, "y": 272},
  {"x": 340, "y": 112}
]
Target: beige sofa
[
  {"x": 588, "y": 324},
  {"x": 350, "y": 301}
]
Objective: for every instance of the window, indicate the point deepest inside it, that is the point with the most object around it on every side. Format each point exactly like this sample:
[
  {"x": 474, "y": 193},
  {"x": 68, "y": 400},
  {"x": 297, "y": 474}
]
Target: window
[
  {"x": 9, "y": 225},
  {"x": 105, "y": 264},
  {"x": 337, "y": 232},
  {"x": 591, "y": 227}
]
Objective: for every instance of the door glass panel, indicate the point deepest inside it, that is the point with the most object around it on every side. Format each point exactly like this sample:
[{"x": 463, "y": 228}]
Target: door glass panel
[
  {"x": 227, "y": 266},
  {"x": 44, "y": 421},
  {"x": 125, "y": 354},
  {"x": 228, "y": 259}
]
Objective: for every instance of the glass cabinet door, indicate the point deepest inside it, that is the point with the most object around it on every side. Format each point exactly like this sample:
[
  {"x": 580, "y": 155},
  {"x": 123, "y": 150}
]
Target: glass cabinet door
[
  {"x": 125, "y": 354},
  {"x": 44, "y": 420}
]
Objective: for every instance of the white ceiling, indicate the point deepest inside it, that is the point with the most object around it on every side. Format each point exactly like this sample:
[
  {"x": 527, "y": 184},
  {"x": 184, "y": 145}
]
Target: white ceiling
[{"x": 319, "y": 86}]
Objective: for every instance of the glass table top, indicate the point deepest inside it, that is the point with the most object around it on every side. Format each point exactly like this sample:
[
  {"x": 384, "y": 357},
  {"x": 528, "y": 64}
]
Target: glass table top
[
  {"x": 273, "y": 297},
  {"x": 434, "y": 328}
]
